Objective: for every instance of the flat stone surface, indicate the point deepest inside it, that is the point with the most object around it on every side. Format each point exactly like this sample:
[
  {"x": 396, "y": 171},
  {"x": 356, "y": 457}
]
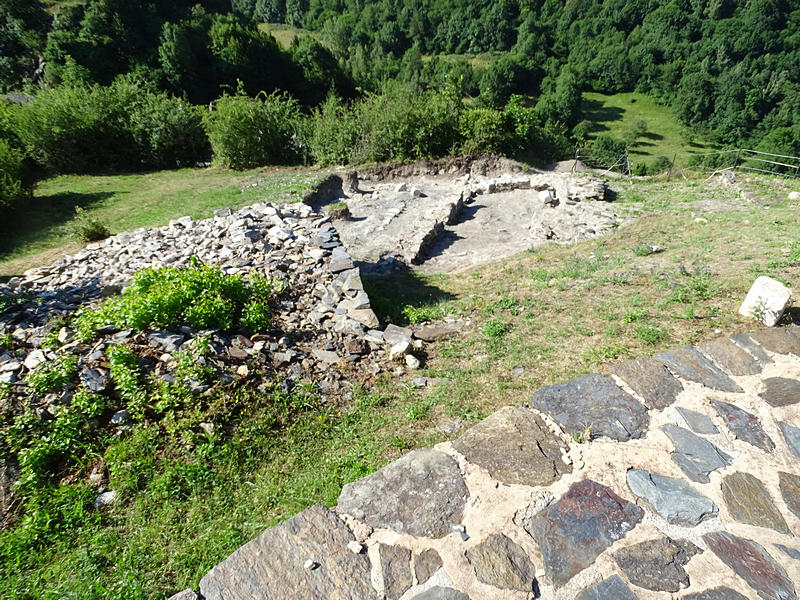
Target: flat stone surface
[
  {"x": 766, "y": 301},
  {"x": 731, "y": 357},
  {"x": 695, "y": 456},
  {"x": 189, "y": 594},
  {"x": 752, "y": 563},
  {"x": 394, "y": 335},
  {"x": 790, "y": 490},
  {"x": 593, "y": 401},
  {"x": 650, "y": 379},
  {"x": 441, "y": 593},
  {"x": 395, "y": 569},
  {"x": 657, "y": 565},
  {"x": 746, "y": 342},
  {"x": 612, "y": 588},
  {"x": 781, "y": 341},
  {"x": 790, "y": 552},
  {"x": 515, "y": 446},
  {"x": 673, "y": 499},
  {"x": 792, "y": 436},
  {"x": 420, "y": 494},
  {"x": 744, "y": 425},
  {"x": 780, "y": 391},
  {"x": 693, "y": 366},
  {"x": 500, "y": 562},
  {"x": 748, "y": 501},
  {"x": 718, "y": 593},
  {"x": 271, "y": 566},
  {"x": 697, "y": 421},
  {"x": 432, "y": 333},
  {"x": 426, "y": 564},
  {"x": 576, "y": 529}
]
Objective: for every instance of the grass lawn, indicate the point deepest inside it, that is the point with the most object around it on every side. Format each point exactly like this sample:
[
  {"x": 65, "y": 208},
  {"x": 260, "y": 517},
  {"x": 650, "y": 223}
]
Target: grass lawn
[
  {"x": 285, "y": 34},
  {"x": 615, "y": 114}
]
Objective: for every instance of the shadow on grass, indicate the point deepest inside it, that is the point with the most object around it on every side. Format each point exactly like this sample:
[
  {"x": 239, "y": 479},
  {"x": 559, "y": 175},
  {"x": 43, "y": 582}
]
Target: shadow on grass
[
  {"x": 596, "y": 111},
  {"x": 397, "y": 297},
  {"x": 653, "y": 136},
  {"x": 42, "y": 213}
]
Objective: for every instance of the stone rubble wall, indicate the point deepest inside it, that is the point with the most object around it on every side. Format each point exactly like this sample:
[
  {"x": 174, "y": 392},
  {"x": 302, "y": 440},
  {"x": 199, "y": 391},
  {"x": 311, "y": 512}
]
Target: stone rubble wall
[{"x": 674, "y": 476}]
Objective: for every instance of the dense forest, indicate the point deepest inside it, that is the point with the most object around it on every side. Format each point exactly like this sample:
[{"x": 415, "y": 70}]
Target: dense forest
[{"x": 143, "y": 69}]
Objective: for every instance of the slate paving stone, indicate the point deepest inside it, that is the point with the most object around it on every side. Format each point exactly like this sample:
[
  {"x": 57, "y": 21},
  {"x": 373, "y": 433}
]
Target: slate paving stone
[
  {"x": 440, "y": 593},
  {"x": 781, "y": 340},
  {"x": 792, "y": 436},
  {"x": 426, "y": 563},
  {"x": 718, "y": 593},
  {"x": 790, "y": 552},
  {"x": 271, "y": 566},
  {"x": 657, "y": 565},
  {"x": 780, "y": 391},
  {"x": 697, "y": 421},
  {"x": 747, "y": 343},
  {"x": 731, "y": 357},
  {"x": 420, "y": 494},
  {"x": 790, "y": 490},
  {"x": 690, "y": 364},
  {"x": 582, "y": 524},
  {"x": 753, "y": 563},
  {"x": 593, "y": 401},
  {"x": 697, "y": 457},
  {"x": 650, "y": 379},
  {"x": 673, "y": 499},
  {"x": 612, "y": 588},
  {"x": 396, "y": 570},
  {"x": 500, "y": 562},
  {"x": 744, "y": 425},
  {"x": 749, "y": 502},
  {"x": 515, "y": 446}
]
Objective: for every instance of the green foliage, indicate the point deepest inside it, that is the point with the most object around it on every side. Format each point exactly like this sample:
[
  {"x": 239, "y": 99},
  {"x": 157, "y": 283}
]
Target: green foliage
[
  {"x": 87, "y": 228},
  {"x": 496, "y": 328},
  {"x": 124, "y": 367},
  {"x": 52, "y": 375},
  {"x": 14, "y": 186},
  {"x": 650, "y": 334},
  {"x": 332, "y": 133},
  {"x": 606, "y": 151}
]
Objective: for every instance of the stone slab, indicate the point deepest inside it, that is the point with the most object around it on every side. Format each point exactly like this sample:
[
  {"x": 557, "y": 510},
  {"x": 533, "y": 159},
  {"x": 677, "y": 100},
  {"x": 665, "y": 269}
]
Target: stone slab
[
  {"x": 697, "y": 457},
  {"x": 189, "y": 594},
  {"x": 501, "y": 563},
  {"x": 747, "y": 343},
  {"x": 718, "y": 593},
  {"x": 789, "y": 485},
  {"x": 596, "y": 402},
  {"x": 780, "y": 391},
  {"x": 515, "y": 446},
  {"x": 612, "y": 588},
  {"x": 688, "y": 363},
  {"x": 673, "y": 499},
  {"x": 731, "y": 357},
  {"x": 395, "y": 570},
  {"x": 793, "y": 553},
  {"x": 697, "y": 421},
  {"x": 426, "y": 563},
  {"x": 753, "y": 563},
  {"x": 766, "y": 301},
  {"x": 792, "y": 436},
  {"x": 650, "y": 379},
  {"x": 744, "y": 425},
  {"x": 272, "y": 565},
  {"x": 657, "y": 565},
  {"x": 441, "y": 593},
  {"x": 780, "y": 341},
  {"x": 420, "y": 494},
  {"x": 749, "y": 502},
  {"x": 582, "y": 524}
]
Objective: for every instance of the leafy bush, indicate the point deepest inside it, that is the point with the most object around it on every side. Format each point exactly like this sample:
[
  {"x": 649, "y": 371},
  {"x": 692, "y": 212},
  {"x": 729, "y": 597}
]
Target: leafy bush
[
  {"x": 14, "y": 186},
  {"x": 496, "y": 328},
  {"x": 87, "y": 229},
  {"x": 332, "y": 132},
  {"x": 54, "y": 375},
  {"x": 249, "y": 132},
  {"x": 606, "y": 151}
]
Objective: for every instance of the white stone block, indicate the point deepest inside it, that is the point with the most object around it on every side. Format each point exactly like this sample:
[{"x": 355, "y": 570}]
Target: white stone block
[{"x": 766, "y": 301}]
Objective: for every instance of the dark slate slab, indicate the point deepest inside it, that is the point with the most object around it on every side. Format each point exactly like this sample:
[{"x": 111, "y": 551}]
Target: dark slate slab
[
  {"x": 650, "y": 379},
  {"x": 695, "y": 456},
  {"x": 657, "y": 565},
  {"x": 576, "y": 529},
  {"x": 272, "y": 565},
  {"x": 792, "y": 436},
  {"x": 790, "y": 490},
  {"x": 752, "y": 563},
  {"x": 420, "y": 494},
  {"x": 515, "y": 446},
  {"x": 613, "y": 587},
  {"x": 731, "y": 357},
  {"x": 426, "y": 563},
  {"x": 744, "y": 425},
  {"x": 790, "y": 552},
  {"x": 748, "y": 501},
  {"x": 440, "y": 593},
  {"x": 675, "y": 500},
  {"x": 718, "y": 593},
  {"x": 693, "y": 366},
  {"x": 396, "y": 570},
  {"x": 780, "y": 391},
  {"x": 781, "y": 341},
  {"x": 697, "y": 421},
  {"x": 746, "y": 342},
  {"x": 500, "y": 562},
  {"x": 593, "y": 401}
]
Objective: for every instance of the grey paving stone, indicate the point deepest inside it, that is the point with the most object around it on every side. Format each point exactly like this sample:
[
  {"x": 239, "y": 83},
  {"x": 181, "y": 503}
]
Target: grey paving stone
[
  {"x": 441, "y": 593},
  {"x": 749, "y": 502},
  {"x": 731, "y": 357},
  {"x": 395, "y": 569},
  {"x": 576, "y": 529},
  {"x": 697, "y": 457},
  {"x": 420, "y": 494},
  {"x": 781, "y": 340},
  {"x": 650, "y": 379},
  {"x": 744, "y": 425},
  {"x": 515, "y": 446},
  {"x": 657, "y": 565},
  {"x": 697, "y": 421},
  {"x": 673, "y": 499},
  {"x": 780, "y": 391},
  {"x": 688, "y": 363},
  {"x": 789, "y": 485},
  {"x": 790, "y": 552},
  {"x": 593, "y": 401},
  {"x": 271, "y": 566},
  {"x": 189, "y": 594},
  {"x": 718, "y": 593},
  {"x": 426, "y": 563},
  {"x": 753, "y": 563},
  {"x": 792, "y": 436},
  {"x": 500, "y": 562},
  {"x": 746, "y": 342},
  {"x": 612, "y": 588}
]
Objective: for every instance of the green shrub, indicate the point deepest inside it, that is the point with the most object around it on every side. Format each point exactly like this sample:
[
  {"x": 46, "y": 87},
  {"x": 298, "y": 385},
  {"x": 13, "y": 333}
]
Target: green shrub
[
  {"x": 496, "y": 328},
  {"x": 606, "y": 151},
  {"x": 124, "y": 370},
  {"x": 249, "y": 132},
  {"x": 88, "y": 229},
  {"x": 53, "y": 375},
  {"x": 332, "y": 133},
  {"x": 14, "y": 187}
]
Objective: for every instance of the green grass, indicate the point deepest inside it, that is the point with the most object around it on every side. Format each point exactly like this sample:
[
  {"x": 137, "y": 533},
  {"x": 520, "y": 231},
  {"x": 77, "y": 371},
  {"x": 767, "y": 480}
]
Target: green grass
[
  {"x": 285, "y": 34},
  {"x": 615, "y": 114}
]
